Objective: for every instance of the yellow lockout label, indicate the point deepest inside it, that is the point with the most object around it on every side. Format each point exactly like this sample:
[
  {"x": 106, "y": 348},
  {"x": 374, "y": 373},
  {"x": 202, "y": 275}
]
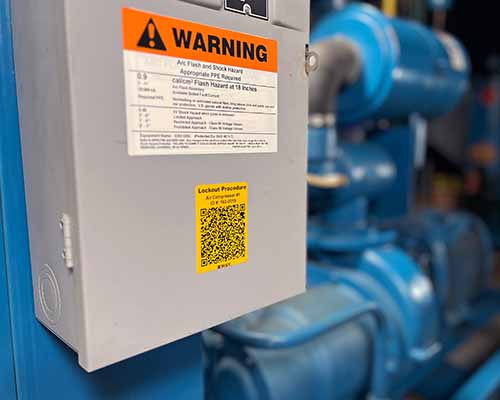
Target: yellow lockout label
[{"x": 221, "y": 225}]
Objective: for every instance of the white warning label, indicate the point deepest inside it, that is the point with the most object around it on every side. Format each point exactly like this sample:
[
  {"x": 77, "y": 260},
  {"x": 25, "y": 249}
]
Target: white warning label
[{"x": 179, "y": 101}]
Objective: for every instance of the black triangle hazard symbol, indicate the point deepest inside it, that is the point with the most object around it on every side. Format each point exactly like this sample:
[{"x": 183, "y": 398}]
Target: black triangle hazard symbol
[{"x": 151, "y": 38}]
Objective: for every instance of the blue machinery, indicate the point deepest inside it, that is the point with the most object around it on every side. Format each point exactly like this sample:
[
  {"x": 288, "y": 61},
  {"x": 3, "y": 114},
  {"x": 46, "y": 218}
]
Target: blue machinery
[{"x": 389, "y": 296}]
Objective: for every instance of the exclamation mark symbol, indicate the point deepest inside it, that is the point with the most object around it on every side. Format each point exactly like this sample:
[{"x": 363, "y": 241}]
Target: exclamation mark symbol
[
  {"x": 152, "y": 34},
  {"x": 151, "y": 38}
]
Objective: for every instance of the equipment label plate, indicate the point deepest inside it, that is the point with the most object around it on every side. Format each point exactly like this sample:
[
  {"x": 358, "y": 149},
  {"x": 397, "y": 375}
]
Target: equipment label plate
[
  {"x": 221, "y": 225},
  {"x": 198, "y": 89}
]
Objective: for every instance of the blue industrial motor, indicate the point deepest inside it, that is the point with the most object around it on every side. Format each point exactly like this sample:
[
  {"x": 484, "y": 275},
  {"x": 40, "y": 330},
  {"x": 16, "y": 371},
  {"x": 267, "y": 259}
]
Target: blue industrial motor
[
  {"x": 351, "y": 334},
  {"x": 363, "y": 326},
  {"x": 455, "y": 251},
  {"x": 382, "y": 296},
  {"x": 404, "y": 67}
]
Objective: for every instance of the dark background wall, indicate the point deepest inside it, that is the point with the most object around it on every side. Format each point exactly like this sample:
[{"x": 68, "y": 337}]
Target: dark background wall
[{"x": 477, "y": 24}]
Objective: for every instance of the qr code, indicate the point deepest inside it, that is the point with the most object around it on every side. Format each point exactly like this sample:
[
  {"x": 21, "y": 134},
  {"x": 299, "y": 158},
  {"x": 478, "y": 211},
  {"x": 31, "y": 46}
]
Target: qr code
[{"x": 223, "y": 234}]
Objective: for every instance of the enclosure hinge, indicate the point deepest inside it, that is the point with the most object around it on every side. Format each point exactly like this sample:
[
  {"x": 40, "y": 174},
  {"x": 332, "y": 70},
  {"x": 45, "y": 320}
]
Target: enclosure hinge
[{"x": 67, "y": 253}]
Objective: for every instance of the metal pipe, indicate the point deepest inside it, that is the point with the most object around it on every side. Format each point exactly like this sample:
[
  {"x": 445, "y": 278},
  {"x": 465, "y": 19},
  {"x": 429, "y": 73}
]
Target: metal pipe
[
  {"x": 405, "y": 67},
  {"x": 390, "y": 7},
  {"x": 299, "y": 337},
  {"x": 329, "y": 181},
  {"x": 340, "y": 65}
]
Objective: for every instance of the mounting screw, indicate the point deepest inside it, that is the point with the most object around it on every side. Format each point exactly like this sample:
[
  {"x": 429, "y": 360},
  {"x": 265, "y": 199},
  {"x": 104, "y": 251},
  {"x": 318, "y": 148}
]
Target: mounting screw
[{"x": 312, "y": 60}]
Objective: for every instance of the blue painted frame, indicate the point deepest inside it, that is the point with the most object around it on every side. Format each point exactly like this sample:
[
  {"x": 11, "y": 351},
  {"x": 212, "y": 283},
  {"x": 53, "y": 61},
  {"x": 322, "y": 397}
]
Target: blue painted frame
[
  {"x": 42, "y": 366},
  {"x": 7, "y": 375},
  {"x": 7, "y": 104}
]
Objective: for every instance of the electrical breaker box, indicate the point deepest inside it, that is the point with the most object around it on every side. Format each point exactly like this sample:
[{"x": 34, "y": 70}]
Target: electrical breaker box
[{"x": 164, "y": 147}]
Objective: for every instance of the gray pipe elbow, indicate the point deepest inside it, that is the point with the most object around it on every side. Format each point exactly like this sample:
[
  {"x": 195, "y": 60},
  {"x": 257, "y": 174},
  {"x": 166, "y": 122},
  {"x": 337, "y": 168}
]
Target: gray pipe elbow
[{"x": 340, "y": 65}]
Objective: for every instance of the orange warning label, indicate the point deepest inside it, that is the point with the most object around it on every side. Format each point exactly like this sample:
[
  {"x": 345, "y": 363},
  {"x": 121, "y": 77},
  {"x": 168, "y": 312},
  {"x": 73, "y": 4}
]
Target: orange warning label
[
  {"x": 156, "y": 34},
  {"x": 197, "y": 89}
]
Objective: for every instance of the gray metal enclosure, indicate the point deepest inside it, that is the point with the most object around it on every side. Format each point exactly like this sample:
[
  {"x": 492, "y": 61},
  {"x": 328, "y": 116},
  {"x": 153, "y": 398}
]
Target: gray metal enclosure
[{"x": 130, "y": 222}]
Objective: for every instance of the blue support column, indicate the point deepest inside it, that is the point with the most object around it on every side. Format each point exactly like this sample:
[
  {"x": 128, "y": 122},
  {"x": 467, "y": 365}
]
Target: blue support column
[
  {"x": 7, "y": 375},
  {"x": 43, "y": 367}
]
